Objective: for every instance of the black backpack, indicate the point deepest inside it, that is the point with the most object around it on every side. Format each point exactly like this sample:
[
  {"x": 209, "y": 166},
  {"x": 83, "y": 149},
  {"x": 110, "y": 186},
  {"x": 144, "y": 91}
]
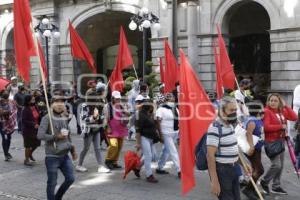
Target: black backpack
[{"x": 201, "y": 149}]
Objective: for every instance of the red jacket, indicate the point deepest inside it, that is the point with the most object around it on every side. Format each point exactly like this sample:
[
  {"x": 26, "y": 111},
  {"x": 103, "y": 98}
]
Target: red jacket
[{"x": 273, "y": 125}]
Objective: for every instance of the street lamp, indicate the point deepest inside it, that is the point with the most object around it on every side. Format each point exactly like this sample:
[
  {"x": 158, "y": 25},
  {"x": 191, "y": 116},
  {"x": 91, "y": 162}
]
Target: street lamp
[
  {"x": 48, "y": 30},
  {"x": 143, "y": 20}
]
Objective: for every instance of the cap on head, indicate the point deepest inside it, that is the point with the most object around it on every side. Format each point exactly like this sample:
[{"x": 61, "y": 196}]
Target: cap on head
[
  {"x": 116, "y": 95},
  {"x": 13, "y": 78}
]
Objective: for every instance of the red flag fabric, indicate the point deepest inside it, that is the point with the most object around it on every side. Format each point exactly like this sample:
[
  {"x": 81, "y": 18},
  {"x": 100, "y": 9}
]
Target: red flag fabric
[
  {"x": 219, "y": 84},
  {"x": 79, "y": 50},
  {"x": 124, "y": 60},
  {"x": 161, "y": 69},
  {"x": 227, "y": 73},
  {"x": 3, "y": 83},
  {"x": 23, "y": 40},
  {"x": 116, "y": 82},
  {"x": 171, "y": 68},
  {"x": 132, "y": 161},
  {"x": 196, "y": 114},
  {"x": 42, "y": 59}
]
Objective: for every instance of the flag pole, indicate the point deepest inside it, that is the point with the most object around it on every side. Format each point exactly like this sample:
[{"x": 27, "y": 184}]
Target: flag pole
[
  {"x": 43, "y": 81},
  {"x": 251, "y": 179},
  {"x": 135, "y": 72}
]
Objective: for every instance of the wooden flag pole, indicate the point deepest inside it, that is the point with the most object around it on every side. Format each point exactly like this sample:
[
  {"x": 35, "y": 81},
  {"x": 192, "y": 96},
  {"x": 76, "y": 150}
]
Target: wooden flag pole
[
  {"x": 251, "y": 179},
  {"x": 43, "y": 82},
  {"x": 135, "y": 72}
]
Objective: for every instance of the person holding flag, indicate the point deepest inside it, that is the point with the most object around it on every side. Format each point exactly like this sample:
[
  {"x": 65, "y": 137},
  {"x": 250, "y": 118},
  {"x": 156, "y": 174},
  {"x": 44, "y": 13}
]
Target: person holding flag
[{"x": 223, "y": 152}]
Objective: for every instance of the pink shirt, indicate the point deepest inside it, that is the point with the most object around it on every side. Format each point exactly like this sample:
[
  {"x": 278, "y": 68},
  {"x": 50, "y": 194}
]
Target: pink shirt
[{"x": 118, "y": 129}]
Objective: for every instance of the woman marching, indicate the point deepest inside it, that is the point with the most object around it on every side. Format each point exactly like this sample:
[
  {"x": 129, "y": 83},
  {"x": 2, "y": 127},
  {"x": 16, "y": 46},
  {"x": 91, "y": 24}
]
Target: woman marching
[
  {"x": 275, "y": 123},
  {"x": 30, "y": 120}
]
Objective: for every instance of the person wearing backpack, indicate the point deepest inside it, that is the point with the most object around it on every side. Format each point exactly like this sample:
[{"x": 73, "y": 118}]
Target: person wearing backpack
[
  {"x": 223, "y": 153},
  {"x": 168, "y": 127},
  {"x": 115, "y": 121}
]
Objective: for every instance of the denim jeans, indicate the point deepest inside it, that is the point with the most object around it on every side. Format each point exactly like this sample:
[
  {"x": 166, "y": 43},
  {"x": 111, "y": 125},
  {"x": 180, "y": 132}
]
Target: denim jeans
[
  {"x": 53, "y": 164},
  {"x": 229, "y": 182},
  {"x": 147, "y": 149},
  {"x": 6, "y": 138},
  {"x": 169, "y": 149}
]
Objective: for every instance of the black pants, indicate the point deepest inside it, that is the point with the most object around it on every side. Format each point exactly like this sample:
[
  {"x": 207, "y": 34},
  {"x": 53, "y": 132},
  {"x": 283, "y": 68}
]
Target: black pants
[
  {"x": 6, "y": 138},
  {"x": 229, "y": 182},
  {"x": 257, "y": 167}
]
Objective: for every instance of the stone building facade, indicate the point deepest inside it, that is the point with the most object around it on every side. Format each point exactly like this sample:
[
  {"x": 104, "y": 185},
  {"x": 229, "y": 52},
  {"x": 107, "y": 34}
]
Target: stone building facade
[{"x": 263, "y": 36}]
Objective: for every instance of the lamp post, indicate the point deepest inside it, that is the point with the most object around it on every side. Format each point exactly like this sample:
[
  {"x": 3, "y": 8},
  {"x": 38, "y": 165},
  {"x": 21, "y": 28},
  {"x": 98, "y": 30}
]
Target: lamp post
[
  {"x": 48, "y": 30},
  {"x": 144, "y": 20}
]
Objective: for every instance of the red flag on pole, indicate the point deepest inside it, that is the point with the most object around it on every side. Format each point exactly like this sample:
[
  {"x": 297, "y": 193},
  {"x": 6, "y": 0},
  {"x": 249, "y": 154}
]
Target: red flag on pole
[
  {"x": 227, "y": 73},
  {"x": 79, "y": 50},
  {"x": 42, "y": 59},
  {"x": 219, "y": 84},
  {"x": 171, "y": 68},
  {"x": 23, "y": 40},
  {"x": 196, "y": 114},
  {"x": 124, "y": 60},
  {"x": 161, "y": 69}
]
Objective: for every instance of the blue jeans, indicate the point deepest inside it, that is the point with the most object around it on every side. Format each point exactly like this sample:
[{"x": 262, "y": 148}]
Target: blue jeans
[
  {"x": 148, "y": 151},
  {"x": 66, "y": 167},
  {"x": 229, "y": 182},
  {"x": 6, "y": 138}
]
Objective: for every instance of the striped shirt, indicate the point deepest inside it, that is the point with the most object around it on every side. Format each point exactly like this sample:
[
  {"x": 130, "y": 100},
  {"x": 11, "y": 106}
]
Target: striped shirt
[{"x": 228, "y": 147}]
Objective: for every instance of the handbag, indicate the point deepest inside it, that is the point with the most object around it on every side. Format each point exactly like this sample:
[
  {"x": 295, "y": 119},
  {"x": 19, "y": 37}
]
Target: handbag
[{"x": 275, "y": 148}]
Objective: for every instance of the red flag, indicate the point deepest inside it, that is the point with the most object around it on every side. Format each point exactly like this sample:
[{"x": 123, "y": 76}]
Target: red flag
[
  {"x": 227, "y": 73},
  {"x": 161, "y": 69},
  {"x": 79, "y": 50},
  {"x": 196, "y": 114},
  {"x": 171, "y": 68},
  {"x": 124, "y": 59},
  {"x": 116, "y": 81},
  {"x": 42, "y": 59},
  {"x": 23, "y": 40},
  {"x": 219, "y": 85}
]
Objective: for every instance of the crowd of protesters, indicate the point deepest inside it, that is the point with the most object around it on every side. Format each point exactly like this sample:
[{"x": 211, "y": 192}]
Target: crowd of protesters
[{"x": 137, "y": 117}]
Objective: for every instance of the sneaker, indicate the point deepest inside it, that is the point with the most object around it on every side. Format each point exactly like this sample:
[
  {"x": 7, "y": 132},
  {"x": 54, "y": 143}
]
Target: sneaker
[
  {"x": 279, "y": 191},
  {"x": 265, "y": 187},
  {"x": 151, "y": 179},
  {"x": 32, "y": 159},
  {"x": 9, "y": 156},
  {"x": 137, "y": 173},
  {"x": 81, "y": 168},
  {"x": 250, "y": 193},
  {"x": 116, "y": 166},
  {"x": 102, "y": 169},
  {"x": 161, "y": 171},
  {"x": 28, "y": 163},
  {"x": 109, "y": 165},
  {"x": 6, "y": 159}
]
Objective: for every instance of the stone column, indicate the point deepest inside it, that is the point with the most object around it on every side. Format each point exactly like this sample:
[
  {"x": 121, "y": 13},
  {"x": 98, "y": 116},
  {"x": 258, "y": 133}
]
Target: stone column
[
  {"x": 206, "y": 66},
  {"x": 66, "y": 63},
  {"x": 285, "y": 61},
  {"x": 192, "y": 28}
]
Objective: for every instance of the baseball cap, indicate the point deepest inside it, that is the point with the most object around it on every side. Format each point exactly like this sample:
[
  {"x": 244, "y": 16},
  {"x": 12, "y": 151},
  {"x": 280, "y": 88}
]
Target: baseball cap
[
  {"x": 142, "y": 98},
  {"x": 116, "y": 94},
  {"x": 13, "y": 78}
]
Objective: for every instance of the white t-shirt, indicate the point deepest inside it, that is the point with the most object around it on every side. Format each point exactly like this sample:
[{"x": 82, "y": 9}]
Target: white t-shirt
[{"x": 167, "y": 120}]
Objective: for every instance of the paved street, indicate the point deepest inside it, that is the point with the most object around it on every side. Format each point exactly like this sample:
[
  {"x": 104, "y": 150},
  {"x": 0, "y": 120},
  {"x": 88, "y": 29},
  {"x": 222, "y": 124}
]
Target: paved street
[{"x": 29, "y": 183}]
